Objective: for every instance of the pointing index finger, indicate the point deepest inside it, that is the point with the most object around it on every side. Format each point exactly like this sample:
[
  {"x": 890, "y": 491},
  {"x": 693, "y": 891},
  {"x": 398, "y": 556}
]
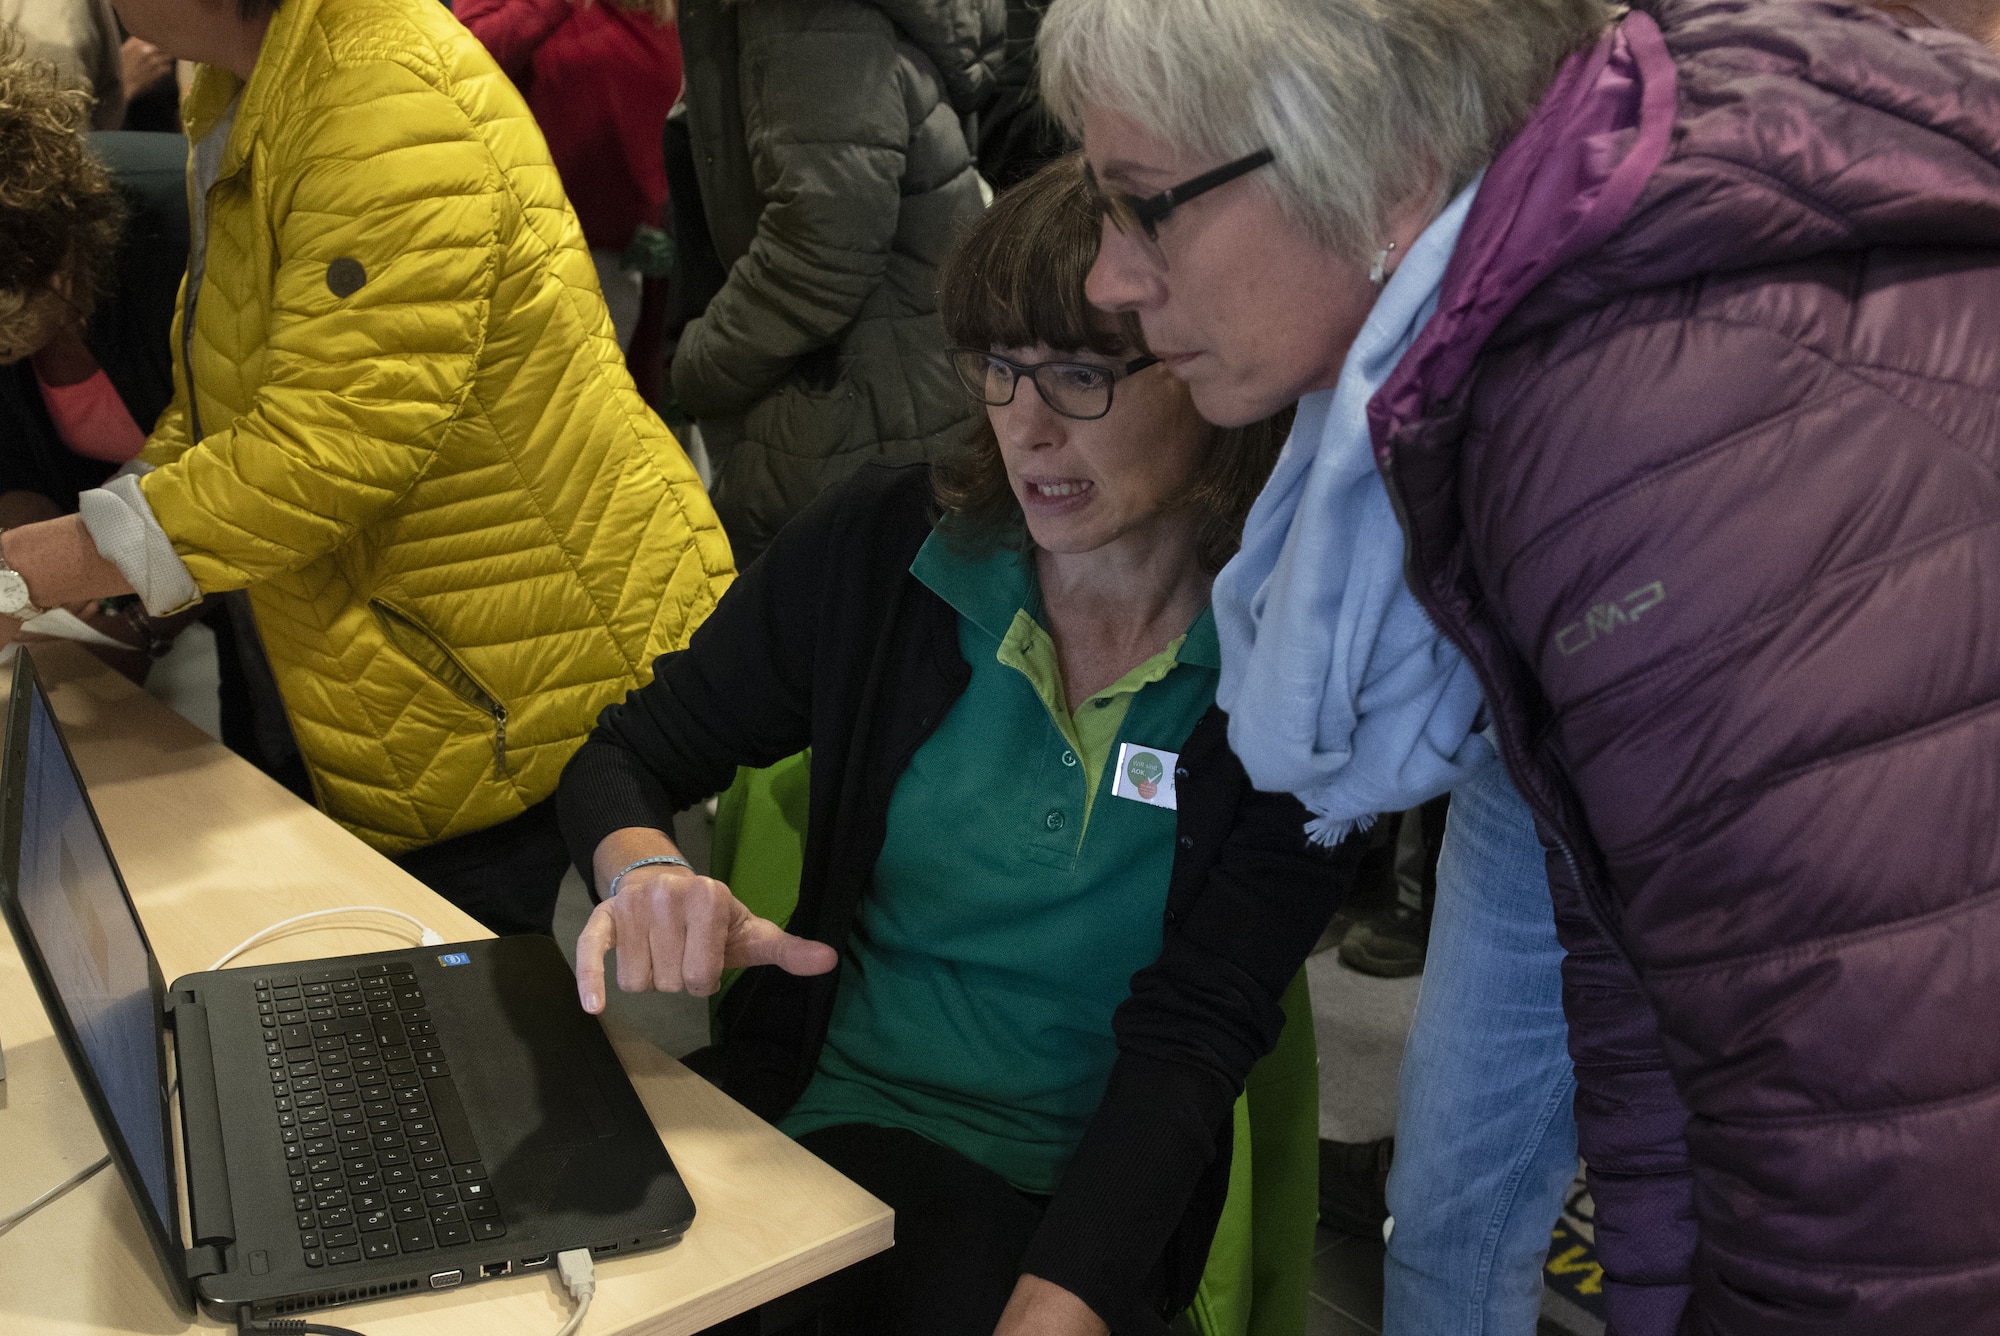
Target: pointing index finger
[{"x": 599, "y": 935}]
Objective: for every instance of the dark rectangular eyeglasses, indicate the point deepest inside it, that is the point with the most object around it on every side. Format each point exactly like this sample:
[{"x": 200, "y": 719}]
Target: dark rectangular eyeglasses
[
  {"x": 1141, "y": 217},
  {"x": 1080, "y": 390}
]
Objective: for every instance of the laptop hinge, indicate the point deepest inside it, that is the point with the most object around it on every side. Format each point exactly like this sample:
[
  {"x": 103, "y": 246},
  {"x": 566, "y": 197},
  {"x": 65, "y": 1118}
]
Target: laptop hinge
[
  {"x": 205, "y": 1261},
  {"x": 209, "y": 1209}
]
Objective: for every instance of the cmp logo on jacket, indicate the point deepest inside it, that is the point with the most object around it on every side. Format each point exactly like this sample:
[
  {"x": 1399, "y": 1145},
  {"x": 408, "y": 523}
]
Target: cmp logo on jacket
[{"x": 1605, "y": 618}]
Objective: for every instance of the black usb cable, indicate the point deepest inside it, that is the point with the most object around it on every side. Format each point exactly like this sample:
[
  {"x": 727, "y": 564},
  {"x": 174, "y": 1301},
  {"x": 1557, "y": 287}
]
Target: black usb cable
[{"x": 284, "y": 1326}]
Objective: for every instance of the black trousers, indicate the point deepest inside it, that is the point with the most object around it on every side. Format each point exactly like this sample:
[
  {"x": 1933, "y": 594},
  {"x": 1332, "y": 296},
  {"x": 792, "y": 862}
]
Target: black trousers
[
  {"x": 961, "y": 1231},
  {"x": 506, "y": 876}
]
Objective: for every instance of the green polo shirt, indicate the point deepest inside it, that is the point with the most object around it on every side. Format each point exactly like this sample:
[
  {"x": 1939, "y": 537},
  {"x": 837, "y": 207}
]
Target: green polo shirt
[{"x": 1015, "y": 895}]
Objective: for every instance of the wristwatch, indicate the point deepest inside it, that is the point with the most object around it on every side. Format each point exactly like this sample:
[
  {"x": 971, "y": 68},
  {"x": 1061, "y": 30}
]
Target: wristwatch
[{"x": 15, "y": 601}]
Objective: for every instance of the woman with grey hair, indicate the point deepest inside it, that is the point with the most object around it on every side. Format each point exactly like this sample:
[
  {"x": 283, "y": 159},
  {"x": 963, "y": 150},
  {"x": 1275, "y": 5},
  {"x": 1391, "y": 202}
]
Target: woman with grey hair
[
  {"x": 1646, "y": 438},
  {"x": 1485, "y": 1139}
]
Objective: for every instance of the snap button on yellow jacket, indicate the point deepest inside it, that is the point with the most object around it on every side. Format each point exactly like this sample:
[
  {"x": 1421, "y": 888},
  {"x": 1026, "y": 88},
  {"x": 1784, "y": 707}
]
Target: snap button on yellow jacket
[{"x": 419, "y": 451}]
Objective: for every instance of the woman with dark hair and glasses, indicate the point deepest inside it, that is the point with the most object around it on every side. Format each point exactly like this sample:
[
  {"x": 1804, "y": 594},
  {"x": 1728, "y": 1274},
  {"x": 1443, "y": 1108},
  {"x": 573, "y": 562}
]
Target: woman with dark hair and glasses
[{"x": 1044, "y": 922}]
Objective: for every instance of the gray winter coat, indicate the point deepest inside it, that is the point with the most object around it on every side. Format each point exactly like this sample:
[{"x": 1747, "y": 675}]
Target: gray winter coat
[{"x": 832, "y": 145}]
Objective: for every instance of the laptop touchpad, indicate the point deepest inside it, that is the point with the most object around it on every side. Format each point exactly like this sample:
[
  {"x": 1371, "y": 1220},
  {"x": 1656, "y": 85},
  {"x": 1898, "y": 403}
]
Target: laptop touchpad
[
  {"x": 573, "y": 1108},
  {"x": 531, "y": 1088}
]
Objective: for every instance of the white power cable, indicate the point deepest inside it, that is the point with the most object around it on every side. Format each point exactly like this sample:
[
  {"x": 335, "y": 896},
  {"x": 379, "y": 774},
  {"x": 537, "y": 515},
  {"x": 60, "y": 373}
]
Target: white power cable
[
  {"x": 428, "y": 936},
  {"x": 7, "y": 1222},
  {"x": 579, "y": 1277}
]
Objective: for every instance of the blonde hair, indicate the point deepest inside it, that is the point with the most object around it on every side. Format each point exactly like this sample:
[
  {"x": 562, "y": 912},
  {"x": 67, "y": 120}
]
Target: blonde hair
[
  {"x": 60, "y": 215},
  {"x": 1365, "y": 103}
]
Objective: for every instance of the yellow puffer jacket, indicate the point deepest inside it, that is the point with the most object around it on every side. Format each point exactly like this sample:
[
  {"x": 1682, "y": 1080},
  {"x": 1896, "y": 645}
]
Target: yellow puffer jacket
[{"x": 401, "y": 421}]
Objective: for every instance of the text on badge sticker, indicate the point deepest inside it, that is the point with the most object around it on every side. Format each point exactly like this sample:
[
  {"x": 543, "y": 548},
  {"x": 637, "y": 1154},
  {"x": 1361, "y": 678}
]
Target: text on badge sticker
[{"x": 1145, "y": 775}]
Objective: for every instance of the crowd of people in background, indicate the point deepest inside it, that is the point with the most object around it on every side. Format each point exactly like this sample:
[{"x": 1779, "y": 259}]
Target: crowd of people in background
[{"x": 1133, "y": 466}]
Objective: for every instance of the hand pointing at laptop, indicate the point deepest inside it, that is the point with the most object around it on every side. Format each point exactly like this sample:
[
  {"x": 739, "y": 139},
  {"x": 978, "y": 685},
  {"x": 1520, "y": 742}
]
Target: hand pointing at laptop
[{"x": 675, "y": 930}]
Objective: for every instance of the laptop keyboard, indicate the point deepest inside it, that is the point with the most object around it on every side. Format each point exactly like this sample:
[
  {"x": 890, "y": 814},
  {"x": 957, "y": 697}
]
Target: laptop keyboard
[{"x": 381, "y": 1157}]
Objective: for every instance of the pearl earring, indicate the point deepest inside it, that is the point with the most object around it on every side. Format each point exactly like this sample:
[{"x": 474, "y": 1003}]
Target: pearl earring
[{"x": 1379, "y": 273}]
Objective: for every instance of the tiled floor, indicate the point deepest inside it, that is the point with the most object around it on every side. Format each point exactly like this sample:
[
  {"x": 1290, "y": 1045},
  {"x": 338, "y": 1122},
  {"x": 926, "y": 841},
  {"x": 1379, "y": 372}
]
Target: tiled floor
[
  {"x": 1347, "y": 1287},
  {"x": 1347, "y": 1294}
]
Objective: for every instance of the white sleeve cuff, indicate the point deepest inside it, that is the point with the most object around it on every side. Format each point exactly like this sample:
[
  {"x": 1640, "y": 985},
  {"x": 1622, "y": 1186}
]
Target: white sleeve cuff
[{"x": 127, "y": 536}]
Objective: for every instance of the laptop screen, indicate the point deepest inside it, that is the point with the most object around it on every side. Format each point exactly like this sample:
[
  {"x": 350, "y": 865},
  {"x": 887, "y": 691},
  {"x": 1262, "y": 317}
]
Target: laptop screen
[{"x": 91, "y": 945}]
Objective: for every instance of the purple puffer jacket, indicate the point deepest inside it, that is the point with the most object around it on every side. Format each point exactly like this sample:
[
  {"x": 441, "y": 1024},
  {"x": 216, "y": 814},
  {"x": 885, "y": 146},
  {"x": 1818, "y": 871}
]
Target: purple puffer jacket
[{"x": 1700, "y": 465}]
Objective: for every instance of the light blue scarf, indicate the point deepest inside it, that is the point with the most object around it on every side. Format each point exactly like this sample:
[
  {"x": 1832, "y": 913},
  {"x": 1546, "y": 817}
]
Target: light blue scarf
[{"x": 1339, "y": 689}]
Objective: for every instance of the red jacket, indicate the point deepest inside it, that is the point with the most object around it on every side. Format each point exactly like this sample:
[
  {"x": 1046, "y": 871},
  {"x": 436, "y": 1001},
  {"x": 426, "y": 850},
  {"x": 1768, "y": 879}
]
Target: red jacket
[{"x": 600, "y": 81}]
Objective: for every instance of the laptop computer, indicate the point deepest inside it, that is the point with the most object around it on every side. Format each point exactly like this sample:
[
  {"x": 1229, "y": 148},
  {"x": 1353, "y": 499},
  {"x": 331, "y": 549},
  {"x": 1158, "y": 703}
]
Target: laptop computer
[{"x": 353, "y": 1127}]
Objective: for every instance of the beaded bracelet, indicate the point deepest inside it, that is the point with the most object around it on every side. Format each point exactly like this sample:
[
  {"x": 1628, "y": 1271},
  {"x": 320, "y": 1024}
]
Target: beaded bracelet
[{"x": 667, "y": 860}]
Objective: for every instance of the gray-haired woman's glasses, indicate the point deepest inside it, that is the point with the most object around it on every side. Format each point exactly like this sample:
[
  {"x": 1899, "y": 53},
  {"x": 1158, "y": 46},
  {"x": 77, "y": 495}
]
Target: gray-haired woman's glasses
[
  {"x": 1079, "y": 390},
  {"x": 1141, "y": 218}
]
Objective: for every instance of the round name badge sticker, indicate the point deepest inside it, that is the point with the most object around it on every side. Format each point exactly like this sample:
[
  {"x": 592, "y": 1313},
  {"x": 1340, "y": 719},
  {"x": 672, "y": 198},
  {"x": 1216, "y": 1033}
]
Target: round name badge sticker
[{"x": 1145, "y": 775}]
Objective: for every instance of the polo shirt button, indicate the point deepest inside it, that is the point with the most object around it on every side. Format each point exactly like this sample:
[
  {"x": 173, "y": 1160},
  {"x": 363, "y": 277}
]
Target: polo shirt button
[
  {"x": 1069, "y": 758},
  {"x": 1055, "y": 819},
  {"x": 1187, "y": 841}
]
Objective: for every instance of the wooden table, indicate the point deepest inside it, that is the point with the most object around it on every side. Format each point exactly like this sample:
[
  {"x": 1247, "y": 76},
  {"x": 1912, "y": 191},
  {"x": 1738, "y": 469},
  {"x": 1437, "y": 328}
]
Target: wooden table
[{"x": 212, "y": 850}]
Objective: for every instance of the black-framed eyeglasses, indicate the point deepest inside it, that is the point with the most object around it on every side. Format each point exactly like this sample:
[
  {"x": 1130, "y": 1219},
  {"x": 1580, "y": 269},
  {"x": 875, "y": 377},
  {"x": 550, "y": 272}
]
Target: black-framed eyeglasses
[
  {"x": 1080, "y": 390},
  {"x": 1137, "y": 217}
]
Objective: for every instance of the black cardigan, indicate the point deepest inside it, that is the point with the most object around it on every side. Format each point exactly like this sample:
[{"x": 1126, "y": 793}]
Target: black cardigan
[{"x": 829, "y": 641}]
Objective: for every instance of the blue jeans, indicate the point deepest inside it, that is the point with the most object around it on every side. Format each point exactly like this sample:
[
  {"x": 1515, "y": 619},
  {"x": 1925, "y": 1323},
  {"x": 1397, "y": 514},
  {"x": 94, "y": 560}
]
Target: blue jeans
[{"x": 1485, "y": 1135}]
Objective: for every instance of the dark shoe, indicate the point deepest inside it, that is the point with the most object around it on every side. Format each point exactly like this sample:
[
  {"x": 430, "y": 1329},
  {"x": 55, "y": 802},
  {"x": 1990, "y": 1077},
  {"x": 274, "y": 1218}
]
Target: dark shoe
[
  {"x": 1388, "y": 945},
  {"x": 1353, "y": 1185}
]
